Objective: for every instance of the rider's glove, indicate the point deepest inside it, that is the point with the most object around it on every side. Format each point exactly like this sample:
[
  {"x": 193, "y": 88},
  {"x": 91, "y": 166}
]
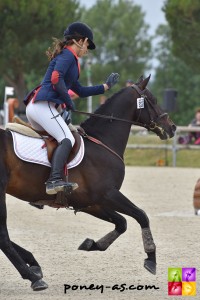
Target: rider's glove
[{"x": 112, "y": 79}]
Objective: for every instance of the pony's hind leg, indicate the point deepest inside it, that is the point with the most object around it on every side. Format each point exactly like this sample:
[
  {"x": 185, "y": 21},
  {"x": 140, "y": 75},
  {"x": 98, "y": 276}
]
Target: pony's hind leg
[
  {"x": 117, "y": 201},
  {"x": 109, "y": 216},
  {"x": 9, "y": 250}
]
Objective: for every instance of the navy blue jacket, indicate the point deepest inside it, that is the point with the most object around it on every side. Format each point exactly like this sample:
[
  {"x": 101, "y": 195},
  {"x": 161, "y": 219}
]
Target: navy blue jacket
[{"x": 62, "y": 74}]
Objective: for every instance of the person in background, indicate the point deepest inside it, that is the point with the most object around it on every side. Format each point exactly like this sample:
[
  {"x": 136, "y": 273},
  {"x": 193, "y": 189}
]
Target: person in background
[
  {"x": 195, "y": 136},
  {"x": 72, "y": 95},
  {"x": 102, "y": 100},
  {"x": 42, "y": 104},
  {"x": 129, "y": 82},
  {"x": 192, "y": 137}
]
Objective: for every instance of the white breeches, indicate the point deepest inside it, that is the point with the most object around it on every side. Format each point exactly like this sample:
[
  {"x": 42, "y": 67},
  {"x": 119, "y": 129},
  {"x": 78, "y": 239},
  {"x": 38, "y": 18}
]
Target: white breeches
[{"x": 40, "y": 115}]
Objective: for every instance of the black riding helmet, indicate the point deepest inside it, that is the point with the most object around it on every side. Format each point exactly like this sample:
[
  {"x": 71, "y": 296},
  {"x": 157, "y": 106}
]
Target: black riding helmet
[{"x": 78, "y": 29}]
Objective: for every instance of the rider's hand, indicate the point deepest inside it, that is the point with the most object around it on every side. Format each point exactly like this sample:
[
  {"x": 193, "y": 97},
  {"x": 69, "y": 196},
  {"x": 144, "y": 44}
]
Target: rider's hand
[
  {"x": 112, "y": 80},
  {"x": 70, "y": 105}
]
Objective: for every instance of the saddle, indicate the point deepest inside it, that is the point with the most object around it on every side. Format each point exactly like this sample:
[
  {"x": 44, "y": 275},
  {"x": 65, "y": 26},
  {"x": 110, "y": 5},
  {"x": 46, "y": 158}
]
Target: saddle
[
  {"x": 50, "y": 143},
  {"x": 21, "y": 127}
]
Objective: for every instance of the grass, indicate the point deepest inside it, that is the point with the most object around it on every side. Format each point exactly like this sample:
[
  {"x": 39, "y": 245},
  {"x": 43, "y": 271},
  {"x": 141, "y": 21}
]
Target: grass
[{"x": 155, "y": 157}]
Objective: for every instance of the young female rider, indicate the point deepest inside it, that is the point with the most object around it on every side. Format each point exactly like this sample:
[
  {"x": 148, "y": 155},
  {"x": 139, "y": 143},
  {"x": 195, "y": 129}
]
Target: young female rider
[{"x": 62, "y": 74}]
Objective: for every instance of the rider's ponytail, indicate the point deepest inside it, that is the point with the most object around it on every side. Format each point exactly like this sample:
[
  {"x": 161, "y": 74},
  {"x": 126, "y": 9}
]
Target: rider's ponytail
[
  {"x": 55, "y": 49},
  {"x": 58, "y": 46}
]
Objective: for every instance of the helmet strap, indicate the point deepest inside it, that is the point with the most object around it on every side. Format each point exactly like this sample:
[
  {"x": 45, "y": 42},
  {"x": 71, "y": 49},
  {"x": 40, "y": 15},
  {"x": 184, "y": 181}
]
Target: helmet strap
[{"x": 77, "y": 44}]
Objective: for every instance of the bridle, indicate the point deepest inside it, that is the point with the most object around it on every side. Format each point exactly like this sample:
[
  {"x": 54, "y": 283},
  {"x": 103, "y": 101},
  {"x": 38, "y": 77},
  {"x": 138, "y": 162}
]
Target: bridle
[{"x": 153, "y": 124}]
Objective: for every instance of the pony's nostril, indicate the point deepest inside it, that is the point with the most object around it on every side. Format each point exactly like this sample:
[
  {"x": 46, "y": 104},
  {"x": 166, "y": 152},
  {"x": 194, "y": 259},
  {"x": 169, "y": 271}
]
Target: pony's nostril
[{"x": 174, "y": 128}]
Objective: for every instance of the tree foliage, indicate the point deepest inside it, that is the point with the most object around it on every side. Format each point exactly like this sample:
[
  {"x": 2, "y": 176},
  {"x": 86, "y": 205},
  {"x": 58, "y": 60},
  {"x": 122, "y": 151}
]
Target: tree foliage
[
  {"x": 122, "y": 44},
  {"x": 120, "y": 34},
  {"x": 174, "y": 73},
  {"x": 26, "y": 29},
  {"x": 184, "y": 20}
]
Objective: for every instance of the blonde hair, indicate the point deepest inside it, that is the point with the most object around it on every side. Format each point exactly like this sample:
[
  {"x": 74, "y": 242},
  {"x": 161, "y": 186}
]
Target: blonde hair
[{"x": 57, "y": 47}]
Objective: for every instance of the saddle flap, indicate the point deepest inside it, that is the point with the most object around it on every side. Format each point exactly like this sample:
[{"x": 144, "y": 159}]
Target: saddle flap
[{"x": 51, "y": 145}]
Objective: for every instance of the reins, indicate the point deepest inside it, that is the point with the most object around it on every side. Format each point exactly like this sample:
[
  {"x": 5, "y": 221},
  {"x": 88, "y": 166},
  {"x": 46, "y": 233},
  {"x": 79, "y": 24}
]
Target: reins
[
  {"x": 98, "y": 142},
  {"x": 111, "y": 118},
  {"x": 150, "y": 126}
]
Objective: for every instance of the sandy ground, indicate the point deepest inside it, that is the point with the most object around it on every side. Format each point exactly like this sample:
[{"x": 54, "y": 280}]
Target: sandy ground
[{"x": 53, "y": 236}]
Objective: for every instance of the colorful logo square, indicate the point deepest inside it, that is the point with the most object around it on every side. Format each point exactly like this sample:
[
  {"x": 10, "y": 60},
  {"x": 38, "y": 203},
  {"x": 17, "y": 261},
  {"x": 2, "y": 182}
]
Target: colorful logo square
[
  {"x": 188, "y": 274},
  {"x": 175, "y": 288},
  {"x": 182, "y": 281},
  {"x": 174, "y": 274},
  {"x": 188, "y": 288}
]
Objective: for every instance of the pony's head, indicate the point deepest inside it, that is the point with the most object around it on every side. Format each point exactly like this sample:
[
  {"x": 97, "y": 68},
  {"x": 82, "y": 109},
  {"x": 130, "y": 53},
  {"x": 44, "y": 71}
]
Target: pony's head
[{"x": 149, "y": 114}]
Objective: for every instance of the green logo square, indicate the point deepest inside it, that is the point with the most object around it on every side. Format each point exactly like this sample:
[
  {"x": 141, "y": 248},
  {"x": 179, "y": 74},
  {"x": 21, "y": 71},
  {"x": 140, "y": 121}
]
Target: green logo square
[{"x": 174, "y": 274}]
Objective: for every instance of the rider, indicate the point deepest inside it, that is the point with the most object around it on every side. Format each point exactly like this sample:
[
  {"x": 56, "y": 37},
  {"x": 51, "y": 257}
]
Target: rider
[{"x": 42, "y": 103}]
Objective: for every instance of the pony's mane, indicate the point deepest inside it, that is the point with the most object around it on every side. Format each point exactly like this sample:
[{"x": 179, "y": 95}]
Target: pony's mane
[{"x": 102, "y": 109}]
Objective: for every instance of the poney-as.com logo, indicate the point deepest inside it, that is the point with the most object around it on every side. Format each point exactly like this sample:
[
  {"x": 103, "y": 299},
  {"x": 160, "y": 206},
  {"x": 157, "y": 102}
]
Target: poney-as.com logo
[{"x": 182, "y": 281}]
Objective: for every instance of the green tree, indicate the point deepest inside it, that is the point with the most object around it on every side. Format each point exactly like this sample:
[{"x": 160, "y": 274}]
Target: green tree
[
  {"x": 120, "y": 34},
  {"x": 122, "y": 45},
  {"x": 184, "y": 21},
  {"x": 172, "y": 72},
  {"x": 26, "y": 29}
]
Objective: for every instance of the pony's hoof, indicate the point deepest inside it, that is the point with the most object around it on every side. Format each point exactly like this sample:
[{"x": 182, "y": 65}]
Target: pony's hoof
[
  {"x": 86, "y": 245},
  {"x": 150, "y": 266},
  {"x": 39, "y": 285},
  {"x": 37, "y": 271}
]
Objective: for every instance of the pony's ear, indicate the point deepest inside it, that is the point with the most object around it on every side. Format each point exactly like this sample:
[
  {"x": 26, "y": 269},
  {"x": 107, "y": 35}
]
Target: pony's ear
[
  {"x": 140, "y": 79},
  {"x": 144, "y": 83}
]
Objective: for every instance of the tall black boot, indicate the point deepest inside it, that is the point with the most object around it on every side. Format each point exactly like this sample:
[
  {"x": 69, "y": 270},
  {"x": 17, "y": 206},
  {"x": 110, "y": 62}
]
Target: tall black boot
[{"x": 55, "y": 183}]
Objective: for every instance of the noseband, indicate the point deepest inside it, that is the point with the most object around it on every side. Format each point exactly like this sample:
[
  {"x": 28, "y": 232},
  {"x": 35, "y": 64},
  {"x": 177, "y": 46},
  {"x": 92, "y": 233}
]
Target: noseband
[{"x": 153, "y": 124}]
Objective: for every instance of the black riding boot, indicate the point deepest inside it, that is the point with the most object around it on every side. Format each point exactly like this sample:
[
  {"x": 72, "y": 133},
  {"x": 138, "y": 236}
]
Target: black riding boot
[{"x": 55, "y": 183}]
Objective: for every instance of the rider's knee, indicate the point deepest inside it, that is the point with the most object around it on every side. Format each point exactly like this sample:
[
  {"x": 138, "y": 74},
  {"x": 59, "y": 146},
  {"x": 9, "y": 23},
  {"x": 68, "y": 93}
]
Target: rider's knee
[{"x": 70, "y": 139}]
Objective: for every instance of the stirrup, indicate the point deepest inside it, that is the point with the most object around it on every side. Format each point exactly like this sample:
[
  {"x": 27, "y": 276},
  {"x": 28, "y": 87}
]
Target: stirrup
[{"x": 53, "y": 187}]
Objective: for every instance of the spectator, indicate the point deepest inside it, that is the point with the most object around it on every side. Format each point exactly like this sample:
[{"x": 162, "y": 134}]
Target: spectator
[
  {"x": 195, "y": 136},
  {"x": 129, "y": 82},
  {"x": 102, "y": 99},
  {"x": 72, "y": 95},
  {"x": 192, "y": 137}
]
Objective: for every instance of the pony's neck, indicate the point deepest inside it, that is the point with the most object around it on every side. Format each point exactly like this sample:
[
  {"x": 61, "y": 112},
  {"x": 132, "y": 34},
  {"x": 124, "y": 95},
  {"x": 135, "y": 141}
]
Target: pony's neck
[{"x": 113, "y": 133}]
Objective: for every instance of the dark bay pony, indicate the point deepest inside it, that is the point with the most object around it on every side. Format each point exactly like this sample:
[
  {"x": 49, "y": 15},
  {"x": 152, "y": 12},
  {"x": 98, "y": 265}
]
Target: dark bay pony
[{"x": 99, "y": 176}]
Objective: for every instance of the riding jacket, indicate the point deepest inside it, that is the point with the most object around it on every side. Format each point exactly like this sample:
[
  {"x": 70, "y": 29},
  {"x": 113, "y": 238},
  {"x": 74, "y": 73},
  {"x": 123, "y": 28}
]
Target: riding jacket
[{"x": 62, "y": 74}]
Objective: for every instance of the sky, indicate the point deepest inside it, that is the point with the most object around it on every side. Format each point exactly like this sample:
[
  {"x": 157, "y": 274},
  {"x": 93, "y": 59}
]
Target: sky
[{"x": 154, "y": 16}]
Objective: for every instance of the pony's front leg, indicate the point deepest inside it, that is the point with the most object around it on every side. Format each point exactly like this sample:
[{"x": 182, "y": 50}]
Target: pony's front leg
[
  {"x": 29, "y": 259},
  {"x": 150, "y": 249},
  {"x": 109, "y": 216},
  {"x": 117, "y": 201},
  {"x": 7, "y": 248}
]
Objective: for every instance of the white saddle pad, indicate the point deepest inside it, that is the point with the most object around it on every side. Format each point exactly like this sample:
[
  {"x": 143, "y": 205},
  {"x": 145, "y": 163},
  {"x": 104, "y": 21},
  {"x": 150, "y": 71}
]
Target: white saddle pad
[{"x": 31, "y": 150}]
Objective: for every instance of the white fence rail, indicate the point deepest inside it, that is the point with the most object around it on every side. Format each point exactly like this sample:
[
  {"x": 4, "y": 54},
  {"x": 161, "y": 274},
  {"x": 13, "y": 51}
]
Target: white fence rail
[{"x": 174, "y": 147}]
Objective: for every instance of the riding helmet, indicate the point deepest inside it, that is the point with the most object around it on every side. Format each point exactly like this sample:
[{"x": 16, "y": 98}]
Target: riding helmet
[{"x": 78, "y": 29}]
